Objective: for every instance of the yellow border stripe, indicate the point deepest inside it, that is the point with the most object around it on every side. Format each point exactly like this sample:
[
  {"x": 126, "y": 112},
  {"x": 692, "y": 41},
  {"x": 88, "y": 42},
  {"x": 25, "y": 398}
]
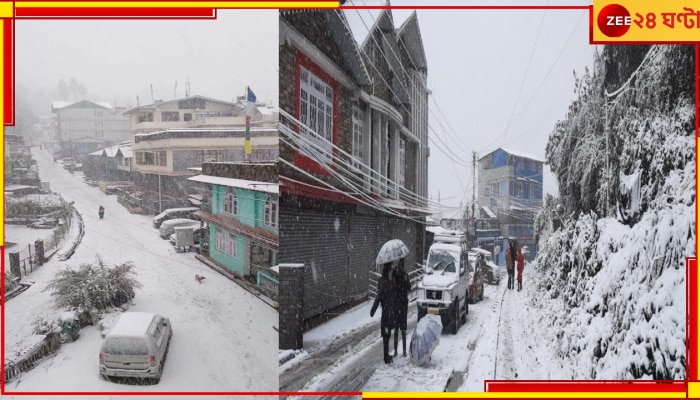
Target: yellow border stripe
[
  {"x": 526, "y": 395},
  {"x": 693, "y": 389},
  {"x": 7, "y": 9},
  {"x": 186, "y": 4}
]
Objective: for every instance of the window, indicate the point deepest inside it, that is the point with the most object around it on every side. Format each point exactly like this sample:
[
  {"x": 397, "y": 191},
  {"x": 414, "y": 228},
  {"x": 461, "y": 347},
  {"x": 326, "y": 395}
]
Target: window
[
  {"x": 231, "y": 201},
  {"x": 207, "y": 114},
  {"x": 271, "y": 211},
  {"x": 145, "y": 157},
  {"x": 532, "y": 189},
  {"x": 145, "y": 117},
  {"x": 519, "y": 189},
  {"x": 187, "y": 117},
  {"x": 162, "y": 158},
  {"x": 357, "y": 134},
  {"x": 316, "y": 109},
  {"x": 402, "y": 162},
  {"x": 98, "y": 113},
  {"x": 209, "y": 156},
  {"x": 167, "y": 116},
  {"x": 226, "y": 242}
]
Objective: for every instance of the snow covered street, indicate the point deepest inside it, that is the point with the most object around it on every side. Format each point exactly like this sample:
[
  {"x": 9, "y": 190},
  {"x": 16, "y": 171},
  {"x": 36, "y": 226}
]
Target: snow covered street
[
  {"x": 225, "y": 338},
  {"x": 502, "y": 339}
]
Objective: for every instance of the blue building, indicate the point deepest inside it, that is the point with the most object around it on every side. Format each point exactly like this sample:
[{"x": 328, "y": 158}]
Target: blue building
[{"x": 510, "y": 190}]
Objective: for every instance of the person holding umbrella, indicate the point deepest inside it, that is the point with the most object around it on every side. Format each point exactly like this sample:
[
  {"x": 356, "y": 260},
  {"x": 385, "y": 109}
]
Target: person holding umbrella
[{"x": 385, "y": 297}]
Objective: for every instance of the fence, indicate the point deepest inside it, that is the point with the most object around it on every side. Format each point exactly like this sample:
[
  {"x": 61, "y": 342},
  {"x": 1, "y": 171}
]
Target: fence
[
  {"x": 30, "y": 259},
  {"x": 26, "y": 360},
  {"x": 268, "y": 283},
  {"x": 414, "y": 276}
]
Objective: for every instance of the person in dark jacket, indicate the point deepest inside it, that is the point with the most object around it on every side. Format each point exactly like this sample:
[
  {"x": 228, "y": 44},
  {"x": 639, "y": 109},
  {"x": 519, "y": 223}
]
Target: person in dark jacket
[
  {"x": 101, "y": 212},
  {"x": 402, "y": 285},
  {"x": 509, "y": 265},
  {"x": 385, "y": 297}
]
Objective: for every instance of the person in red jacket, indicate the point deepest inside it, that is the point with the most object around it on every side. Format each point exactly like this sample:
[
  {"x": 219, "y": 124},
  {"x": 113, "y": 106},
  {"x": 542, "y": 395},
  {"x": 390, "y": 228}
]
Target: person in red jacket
[{"x": 521, "y": 266}]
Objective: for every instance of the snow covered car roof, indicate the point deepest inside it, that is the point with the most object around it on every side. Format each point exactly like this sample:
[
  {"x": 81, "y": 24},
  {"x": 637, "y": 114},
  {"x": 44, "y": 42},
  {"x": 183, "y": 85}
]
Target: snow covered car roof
[{"x": 132, "y": 323}]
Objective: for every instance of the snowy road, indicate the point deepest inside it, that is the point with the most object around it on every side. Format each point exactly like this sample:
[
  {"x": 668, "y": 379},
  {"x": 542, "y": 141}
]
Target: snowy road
[
  {"x": 225, "y": 338},
  {"x": 500, "y": 340}
]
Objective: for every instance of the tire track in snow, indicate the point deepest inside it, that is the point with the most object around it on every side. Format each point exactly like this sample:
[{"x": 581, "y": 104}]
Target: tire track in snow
[{"x": 507, "y": 368}]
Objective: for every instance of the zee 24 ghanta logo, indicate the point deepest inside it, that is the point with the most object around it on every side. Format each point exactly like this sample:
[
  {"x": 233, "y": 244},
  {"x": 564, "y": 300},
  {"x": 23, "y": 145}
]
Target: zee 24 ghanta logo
[{"x": 652, "y": 21}]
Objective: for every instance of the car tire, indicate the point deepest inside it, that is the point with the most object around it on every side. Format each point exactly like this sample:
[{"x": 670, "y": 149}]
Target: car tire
[
  {"x": 481, "y": 295},
  {"x": 421, "y": 313},
  {"x": 490, "y": 277},
  {"x": 455, "y": 317},
  {"x": 466, "y": 311}
]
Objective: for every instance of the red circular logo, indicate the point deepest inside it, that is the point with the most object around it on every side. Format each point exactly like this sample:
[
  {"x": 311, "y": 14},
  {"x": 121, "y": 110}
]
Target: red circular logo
[{"x": 614, "y": 20}]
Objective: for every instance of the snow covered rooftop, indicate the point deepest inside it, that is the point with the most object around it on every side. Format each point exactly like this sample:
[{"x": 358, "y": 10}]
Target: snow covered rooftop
[
  {"x": 257, "y": 186},
  {"x": 58, "y": 105},
  {"x": 516, "y": 153}
]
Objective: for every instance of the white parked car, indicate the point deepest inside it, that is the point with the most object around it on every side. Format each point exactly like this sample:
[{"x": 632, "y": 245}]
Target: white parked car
[
  {"x": 167, "y": 228},
  {"x": 491, "y": 270},
  {"x": 136, "y": 346},
  {"x": 172, "y": 213}
]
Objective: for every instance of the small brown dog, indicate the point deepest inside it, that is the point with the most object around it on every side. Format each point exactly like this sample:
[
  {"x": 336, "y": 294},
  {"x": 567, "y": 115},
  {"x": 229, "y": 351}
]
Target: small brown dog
[{"x": 199, "y": 278}]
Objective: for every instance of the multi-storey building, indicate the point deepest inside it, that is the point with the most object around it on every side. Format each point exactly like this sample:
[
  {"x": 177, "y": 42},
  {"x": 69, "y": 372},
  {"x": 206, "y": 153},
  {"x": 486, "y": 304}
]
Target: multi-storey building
[
  {"x": 353, "y": 150},
  {"x": 242, "y": 212},
  {"x": 171, "y": 139},
  {"x": 85, "y": 126},
  {"x": 510, "y": 188}
]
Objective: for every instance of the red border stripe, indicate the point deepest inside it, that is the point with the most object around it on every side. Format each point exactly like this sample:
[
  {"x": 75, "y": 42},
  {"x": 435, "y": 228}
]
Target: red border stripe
[
  {"x": 9, "y": 72},
  {"x": 114, "y": 12},
  {"x": 589, "y": 386}
]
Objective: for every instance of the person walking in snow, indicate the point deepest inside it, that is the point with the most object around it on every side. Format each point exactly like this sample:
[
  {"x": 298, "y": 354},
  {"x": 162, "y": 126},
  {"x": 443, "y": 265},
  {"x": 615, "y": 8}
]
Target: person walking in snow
[
  {"x": 385, "y": 297},
  {"x": 101, "y": 212},
  {"x": 497, "y": 252},
  {"x": 509, "y": 265},
  {"x": 521, "y": 266},
  {"x": 402, "y": 285}
]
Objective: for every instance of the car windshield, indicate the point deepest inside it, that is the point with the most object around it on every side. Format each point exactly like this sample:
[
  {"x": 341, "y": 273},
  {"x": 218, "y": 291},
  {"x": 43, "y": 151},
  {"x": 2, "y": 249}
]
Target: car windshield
[{"x": 441, "y": 261}]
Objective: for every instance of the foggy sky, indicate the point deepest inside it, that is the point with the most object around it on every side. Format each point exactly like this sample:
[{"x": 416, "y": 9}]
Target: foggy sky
[
  {"x": 119, "y": 60},
  {"x": 478, "y": 68}
]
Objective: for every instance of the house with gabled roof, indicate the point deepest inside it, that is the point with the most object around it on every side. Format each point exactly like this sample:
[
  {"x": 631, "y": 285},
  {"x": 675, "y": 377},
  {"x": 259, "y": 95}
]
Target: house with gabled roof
[{"x": 353, "y": 152}]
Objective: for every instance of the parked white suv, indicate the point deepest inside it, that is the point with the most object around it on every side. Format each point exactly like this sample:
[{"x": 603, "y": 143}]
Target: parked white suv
[
  {"x": 136, "y": 346},
  {"x": 444, "y": 289}
]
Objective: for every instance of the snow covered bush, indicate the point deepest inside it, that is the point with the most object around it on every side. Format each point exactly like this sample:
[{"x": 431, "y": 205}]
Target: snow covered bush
[
  {"x": 614, "y": 273},
  {"x": 94, "y": 286}
]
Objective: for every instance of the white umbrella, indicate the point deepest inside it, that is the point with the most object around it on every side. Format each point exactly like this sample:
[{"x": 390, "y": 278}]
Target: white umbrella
[
  {"x": 392, "y": 250},
  {"x": 425, "y": 338}
]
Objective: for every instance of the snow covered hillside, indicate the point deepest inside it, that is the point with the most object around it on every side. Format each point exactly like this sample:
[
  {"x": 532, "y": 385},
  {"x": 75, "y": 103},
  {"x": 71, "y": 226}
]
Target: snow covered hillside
[{"x": 614, "y": 274}]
